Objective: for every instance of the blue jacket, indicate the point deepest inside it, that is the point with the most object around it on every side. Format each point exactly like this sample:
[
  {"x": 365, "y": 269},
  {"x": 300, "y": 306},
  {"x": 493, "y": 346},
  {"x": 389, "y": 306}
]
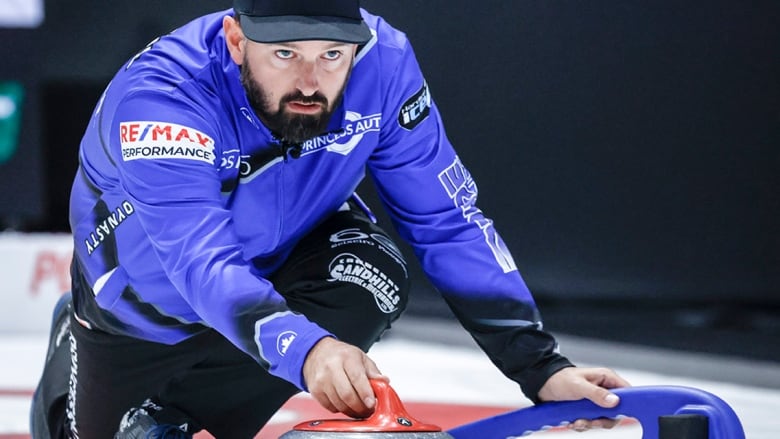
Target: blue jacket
[{"x": 185, "y": 202}]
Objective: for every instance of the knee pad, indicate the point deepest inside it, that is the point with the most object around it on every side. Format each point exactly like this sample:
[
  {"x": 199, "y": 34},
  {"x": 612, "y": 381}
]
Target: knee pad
[{"x": 348, "y": 276}]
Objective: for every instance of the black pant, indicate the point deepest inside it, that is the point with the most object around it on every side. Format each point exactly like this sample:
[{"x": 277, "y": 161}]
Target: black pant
[{"x": 206, "y": 377}]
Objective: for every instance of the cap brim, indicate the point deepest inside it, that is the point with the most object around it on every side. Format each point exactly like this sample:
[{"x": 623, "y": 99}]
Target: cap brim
[{"x": 282, "y": 29}]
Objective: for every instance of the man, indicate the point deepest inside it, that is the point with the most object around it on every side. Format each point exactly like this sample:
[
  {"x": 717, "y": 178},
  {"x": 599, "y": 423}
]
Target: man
[{"x": 222, "y": 261}]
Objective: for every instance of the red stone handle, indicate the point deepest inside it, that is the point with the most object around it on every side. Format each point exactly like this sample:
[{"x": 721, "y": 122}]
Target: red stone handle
[{"x": 389, "y": 416}]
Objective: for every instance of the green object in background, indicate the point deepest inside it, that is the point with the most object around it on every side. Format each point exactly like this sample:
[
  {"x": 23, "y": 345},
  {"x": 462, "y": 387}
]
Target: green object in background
[{"x": 11, "y": 94}]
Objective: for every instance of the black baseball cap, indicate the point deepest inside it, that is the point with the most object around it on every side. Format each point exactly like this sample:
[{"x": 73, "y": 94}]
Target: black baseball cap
[{"x": 278, "y": 21}]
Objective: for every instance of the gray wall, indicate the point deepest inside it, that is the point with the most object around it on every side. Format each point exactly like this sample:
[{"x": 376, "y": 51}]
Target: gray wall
[{"x": 624, "y": 149}]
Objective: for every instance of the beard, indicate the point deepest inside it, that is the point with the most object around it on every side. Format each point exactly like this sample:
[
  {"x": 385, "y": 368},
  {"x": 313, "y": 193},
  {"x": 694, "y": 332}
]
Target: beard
[{"x": 289, "y": 127}]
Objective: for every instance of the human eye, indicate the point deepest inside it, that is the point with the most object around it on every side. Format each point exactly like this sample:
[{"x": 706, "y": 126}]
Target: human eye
[
  {"x": 332, "y": 55},
  {"x": 284, "y": 54}
]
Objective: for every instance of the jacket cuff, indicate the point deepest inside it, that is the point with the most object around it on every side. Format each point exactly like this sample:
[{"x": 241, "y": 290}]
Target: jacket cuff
[
  {"x": 284, "y": 342},
  {"x": 534, "y": 378}
]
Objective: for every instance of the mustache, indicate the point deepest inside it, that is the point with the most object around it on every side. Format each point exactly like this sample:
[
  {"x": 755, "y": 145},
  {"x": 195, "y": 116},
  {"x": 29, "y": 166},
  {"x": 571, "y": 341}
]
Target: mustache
[{"x": 298, "y": 96}]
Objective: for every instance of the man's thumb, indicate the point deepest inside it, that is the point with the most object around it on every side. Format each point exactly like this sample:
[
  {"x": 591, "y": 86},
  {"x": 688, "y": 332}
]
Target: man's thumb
[{"x": 603, "y": 397}]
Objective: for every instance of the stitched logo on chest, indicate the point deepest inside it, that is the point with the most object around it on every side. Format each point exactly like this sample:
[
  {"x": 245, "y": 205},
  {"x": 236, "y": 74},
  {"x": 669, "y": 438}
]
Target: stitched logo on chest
[{"x": 346, "y": 140}]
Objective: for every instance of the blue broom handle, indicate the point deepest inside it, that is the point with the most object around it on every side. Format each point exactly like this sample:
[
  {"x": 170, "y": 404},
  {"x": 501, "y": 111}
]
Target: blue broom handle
[{"x": 645, "y": 403}]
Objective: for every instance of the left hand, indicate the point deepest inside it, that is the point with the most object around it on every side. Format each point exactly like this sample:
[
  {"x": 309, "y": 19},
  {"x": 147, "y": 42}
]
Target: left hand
[{"x": 575, "y": 383}]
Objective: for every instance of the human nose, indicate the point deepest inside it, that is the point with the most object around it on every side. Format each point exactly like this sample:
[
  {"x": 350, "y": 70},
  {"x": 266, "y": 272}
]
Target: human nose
[{"x": 308, "y": 83}]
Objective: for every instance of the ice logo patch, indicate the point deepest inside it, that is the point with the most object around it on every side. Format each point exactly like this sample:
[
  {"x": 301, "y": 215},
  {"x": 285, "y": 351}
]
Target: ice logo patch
[
  {"x": 416, "y": 109},
  {"x": 284, "y": 340},
  {"x": 347, "y": 139}
]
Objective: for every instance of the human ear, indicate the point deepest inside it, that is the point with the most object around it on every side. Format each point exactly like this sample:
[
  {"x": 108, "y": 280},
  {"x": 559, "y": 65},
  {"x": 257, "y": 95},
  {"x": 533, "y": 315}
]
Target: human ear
[{"x": 234, "y": 39}]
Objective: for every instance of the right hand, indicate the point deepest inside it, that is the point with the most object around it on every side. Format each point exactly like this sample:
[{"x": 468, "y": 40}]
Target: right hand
[
  {"x": 573, "y": 383},
  {"x": 337, "y": 375}
]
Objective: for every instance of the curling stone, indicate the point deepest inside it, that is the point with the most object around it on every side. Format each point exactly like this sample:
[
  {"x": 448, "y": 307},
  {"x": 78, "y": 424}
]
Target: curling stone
[{"x": 389, "y": 421}]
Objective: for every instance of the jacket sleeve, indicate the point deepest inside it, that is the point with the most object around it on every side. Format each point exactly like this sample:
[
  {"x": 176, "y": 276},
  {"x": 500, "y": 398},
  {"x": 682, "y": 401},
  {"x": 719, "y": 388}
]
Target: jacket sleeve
[
  {"x": 432, "y": 200},
  {"x": 168, "y": 156}
]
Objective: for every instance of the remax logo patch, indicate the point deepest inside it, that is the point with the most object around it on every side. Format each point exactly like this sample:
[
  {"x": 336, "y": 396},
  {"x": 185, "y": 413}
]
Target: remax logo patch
[
  {"x": 162, "y": 140},
  {"x": 416, "y": 108}
]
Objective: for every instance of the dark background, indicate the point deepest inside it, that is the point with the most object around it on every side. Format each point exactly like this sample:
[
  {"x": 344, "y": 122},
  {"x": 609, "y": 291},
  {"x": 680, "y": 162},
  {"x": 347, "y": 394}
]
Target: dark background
[{"x": 627, "y": 151}]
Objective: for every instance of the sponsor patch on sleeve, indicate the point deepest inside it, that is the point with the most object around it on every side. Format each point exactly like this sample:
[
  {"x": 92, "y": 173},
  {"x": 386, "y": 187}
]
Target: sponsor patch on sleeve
[
  {"x": 416, "y": 108},
  {"x": 462, "y": 190},
  {"x": 163, "y": 140}
]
